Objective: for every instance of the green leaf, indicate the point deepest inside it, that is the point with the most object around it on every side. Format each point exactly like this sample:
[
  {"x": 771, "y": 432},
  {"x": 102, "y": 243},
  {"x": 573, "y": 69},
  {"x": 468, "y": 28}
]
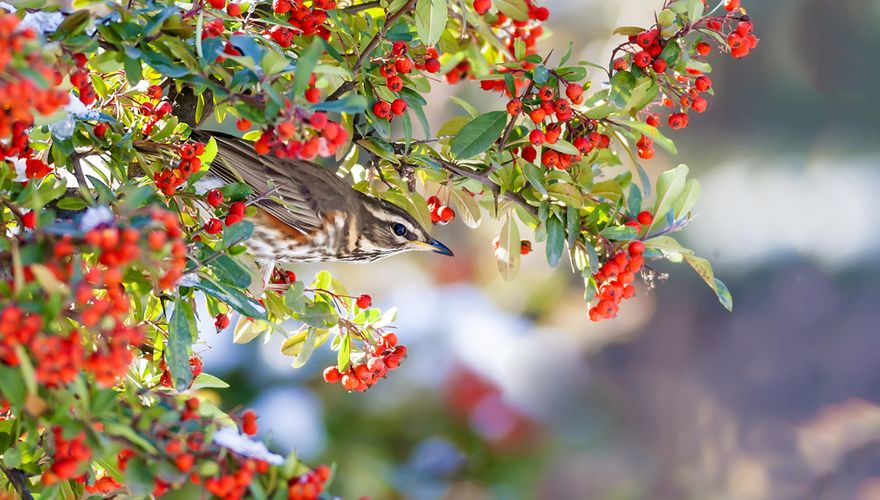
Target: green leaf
[
  {"x": 274, "y": 62},
  {"x": 138, "y": 477},
  {"x": 246, "y": 330},
  {"x": 620, "y": 233},
  {"x": 566, "y": 193},
  {"x": 308, "y": 347},
  {"x": 704, "y": 269},
  {"x": 431, "y": 17},
  {"x": 652, "y": 132},
  {"x": 555, "y": 240},
  {"x": 208, "y": 381},
  {"x": 180, "y": 339},
  {"x": 535, "y": 176},
  {"x": 319, "y": 315},
  {"x": 230, "y": 271},
  {"x": 305, "y": 65},
  {"x": 508, "y": 252},
  {"x": 478, "y": 135},
  {"x": 343, "y": 358},
  {"x": 628, "y": 30},
  {"x": 233, "y": 297},
  {"x": 294, "y": 344},
  {"x": 688, "y": 199},
  {"x": 695, "y": 10},
  {"x": 562, "y": 146},
  {"x": 514, "y": 9},
  {"x": 295, "y": 297},
  {"x": 642, "y": 94},
  {"x": 237, "y": 233},
  {"x": 210, "y": 152},
  {"x": 670, "y": 185}
]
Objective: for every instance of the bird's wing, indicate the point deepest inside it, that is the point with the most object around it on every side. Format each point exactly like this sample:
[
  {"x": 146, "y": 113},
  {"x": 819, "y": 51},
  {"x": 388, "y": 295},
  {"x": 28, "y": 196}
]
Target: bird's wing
[{"x": 300, "y": 193}]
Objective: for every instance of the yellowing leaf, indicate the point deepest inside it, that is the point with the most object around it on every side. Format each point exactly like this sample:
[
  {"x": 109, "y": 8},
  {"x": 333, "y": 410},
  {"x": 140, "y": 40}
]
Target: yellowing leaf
[{"x": 507, "y": 254}]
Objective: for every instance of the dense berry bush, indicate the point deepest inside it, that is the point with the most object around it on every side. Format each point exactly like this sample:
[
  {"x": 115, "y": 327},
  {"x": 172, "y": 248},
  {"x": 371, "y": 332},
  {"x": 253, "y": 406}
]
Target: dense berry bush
[{"x": 107, "y": 243}]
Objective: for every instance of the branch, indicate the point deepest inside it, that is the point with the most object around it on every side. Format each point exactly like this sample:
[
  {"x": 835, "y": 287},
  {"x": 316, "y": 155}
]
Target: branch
[
  {"x": 484, "y": 180},
  {"x": 17, "y": 478},
  {"x": 362, "y": 58},
  {"x": 354, "y": 9}
]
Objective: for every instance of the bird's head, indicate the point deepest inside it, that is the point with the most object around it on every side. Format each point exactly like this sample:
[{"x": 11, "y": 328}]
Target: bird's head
[{"x": 387, "y": 229}]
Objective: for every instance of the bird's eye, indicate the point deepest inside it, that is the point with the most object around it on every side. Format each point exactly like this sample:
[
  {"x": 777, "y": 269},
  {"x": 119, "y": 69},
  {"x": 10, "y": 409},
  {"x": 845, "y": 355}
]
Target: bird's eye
[{"x": 399, "y": 229}]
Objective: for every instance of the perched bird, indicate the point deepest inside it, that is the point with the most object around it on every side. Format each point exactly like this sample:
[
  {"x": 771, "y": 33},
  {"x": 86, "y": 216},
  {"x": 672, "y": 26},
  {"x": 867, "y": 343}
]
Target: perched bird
[{"x": 306, "y": 213}]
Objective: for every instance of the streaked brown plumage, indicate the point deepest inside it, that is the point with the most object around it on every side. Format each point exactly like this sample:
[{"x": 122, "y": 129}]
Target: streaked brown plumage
[{"x": 306, "y": 213}]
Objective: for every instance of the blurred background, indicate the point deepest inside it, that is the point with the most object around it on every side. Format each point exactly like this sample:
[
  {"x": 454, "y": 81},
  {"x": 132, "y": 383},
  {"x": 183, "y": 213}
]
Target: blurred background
[{"x": 509, "y": 391}]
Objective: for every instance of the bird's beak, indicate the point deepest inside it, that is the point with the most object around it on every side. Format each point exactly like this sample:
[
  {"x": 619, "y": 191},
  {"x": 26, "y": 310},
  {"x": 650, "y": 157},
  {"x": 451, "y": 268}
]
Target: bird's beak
[{"x": 435, "y": 246}]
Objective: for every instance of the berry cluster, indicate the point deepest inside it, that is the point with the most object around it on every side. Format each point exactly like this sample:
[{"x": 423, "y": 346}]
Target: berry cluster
[
  {"x": 684, "y": 86},
  {"x": 440, "y": 213},
  {"x": 305, "y": 20},
  {"x": 309, "y": 485},
  {"x": 68, "y": 458},
  {"x": 554, "y": 118},
  {"x": 234, "y": 214},
  {"x": 614, "y": 281},
  {"x": 195, "y": 366},
  {"x": 379, "y": 359},
  {"x": 393, "y": 67},
  {"x": 97, "y": 303},
  {"x": 509, "y": 31},
  {"x": 81, "y": 80},
  {"x": 154, "y": 110},
  {"x": 300, "y": 134},
  {"x": 169, "y": 179},
  {"x": 20, "y": 96}
]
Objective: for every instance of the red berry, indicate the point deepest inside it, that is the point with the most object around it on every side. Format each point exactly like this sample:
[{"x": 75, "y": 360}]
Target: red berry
[
  {"x": 389, "y": 339},
  {"x": 242, "y": 124},
  {"x": 545, "y": 93},
  {"x": 394, "y": 83},
  {"x": 653, "y": 120},
  {"x": 704, "y": 49},
  {"x": 398, "y": 107},
  {"x": 659, "y": 65},
  {"x": 536, "y": 137},
  {"x": 542, "y": 13},
  {"x": 237, "y": 208},
  {"x": 703, "y": 83},
  {"x": 403, "y": 65},
  {"x": 313, "y": 95},
  {"x": 233, "y": 9},
  {"x": 432, "y": 65},
  {"x": 364, "y": 301},
  {"x": 249, "y": 423},
  {"x": 678, "y": 121},
  {"x": 101, "y": 129},
  {"x": 482, "y": 6},
  {"x": 184, "y": 462},
  {"x": 645, "y": 218},
  {"x": 213, "y": 226},
  {"x": 636, "y": 248},
  {"x": 642, "y": 59},
  {"x": 214, "y": 197},
  {"x": 332, "y": 375},
  {"x": 29, "y": 220},
  {"x": 525, "y": 247},
  {"x": 221, "y": 321},
  {"x": 529, "y": 154},
  {"x": 382, "y": 109},
  {"x": 514, "y": 107}
]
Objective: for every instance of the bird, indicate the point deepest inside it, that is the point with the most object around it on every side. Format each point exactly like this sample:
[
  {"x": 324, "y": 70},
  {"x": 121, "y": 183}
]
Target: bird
[{"x": 307, "y": 213}]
